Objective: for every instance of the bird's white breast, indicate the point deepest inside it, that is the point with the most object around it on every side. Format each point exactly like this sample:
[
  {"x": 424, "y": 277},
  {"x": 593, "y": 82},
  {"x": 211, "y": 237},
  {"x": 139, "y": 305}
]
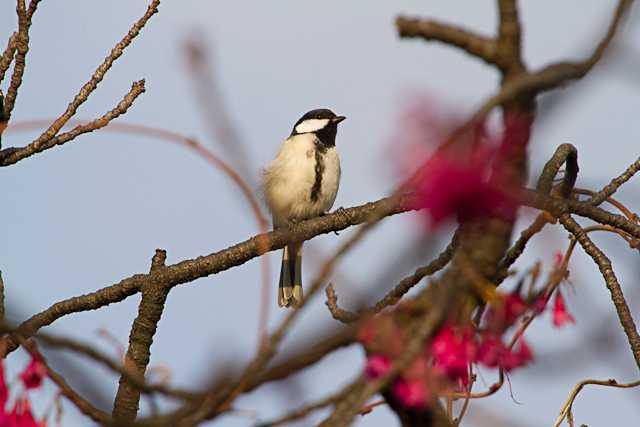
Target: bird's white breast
[{"x": 289, "y": 179}]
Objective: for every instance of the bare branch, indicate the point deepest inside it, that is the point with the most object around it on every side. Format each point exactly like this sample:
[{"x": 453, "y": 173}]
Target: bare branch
[
  {"x": 604, "y": 265},
  {"x": 154, "y": 296},
  {"x": 22, "y": 47},
  {"x": 66, "y": 390},
  {"x": 12, "y": 155},
  {"x": 394, "y": 295},
  {"x": 189, "y": 270},
  {"x": 509, "y": 35},
  {"x": 615, "y": 183},
  {"x": 566, "y": 409},
  {"x": 564, "y": 154},
  {"x": 92, "y": 353},
  {"x": 429, "y": 30},
  {"x": 96, "y": 78},
  {"x": 7, "y": 56}
]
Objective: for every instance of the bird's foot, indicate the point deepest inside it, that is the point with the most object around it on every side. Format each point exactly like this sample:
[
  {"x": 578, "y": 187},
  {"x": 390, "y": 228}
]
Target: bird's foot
[{"x": 342, "y": 212}]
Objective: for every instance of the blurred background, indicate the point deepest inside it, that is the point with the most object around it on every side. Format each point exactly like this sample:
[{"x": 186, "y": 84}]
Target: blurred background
[{"x": 84, "y": 216}]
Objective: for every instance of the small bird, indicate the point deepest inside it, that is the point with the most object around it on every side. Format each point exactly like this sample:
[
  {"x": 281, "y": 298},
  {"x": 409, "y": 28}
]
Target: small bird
[{"x": 302, "y": 183}]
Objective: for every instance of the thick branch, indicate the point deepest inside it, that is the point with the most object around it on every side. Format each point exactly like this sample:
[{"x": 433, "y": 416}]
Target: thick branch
[
  {"x": 509, "y": 35},
  {"x": 474, "y": 44},
  {"x": 190, "y": 270},
  {"x": 154, "y": 296}
]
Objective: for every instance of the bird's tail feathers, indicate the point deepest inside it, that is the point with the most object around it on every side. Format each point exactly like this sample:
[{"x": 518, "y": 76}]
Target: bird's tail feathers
[{"x": 290, "y": 286}]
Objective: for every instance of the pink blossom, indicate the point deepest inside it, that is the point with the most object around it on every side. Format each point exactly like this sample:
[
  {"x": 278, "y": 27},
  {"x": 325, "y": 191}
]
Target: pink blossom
[
  {"x": 450, "y": 185},
  {"x": 493, "y": 353},
  {"x": 377, "y": 366},
  {"x": 34, "y": 373},
  {"x": 560, "y": 315},
  {"x": 21, "y": 415},
  {"x": 453, "y": 349},
  {"x": 4, "y": 390},
  {"x": 412, "y": 394}
]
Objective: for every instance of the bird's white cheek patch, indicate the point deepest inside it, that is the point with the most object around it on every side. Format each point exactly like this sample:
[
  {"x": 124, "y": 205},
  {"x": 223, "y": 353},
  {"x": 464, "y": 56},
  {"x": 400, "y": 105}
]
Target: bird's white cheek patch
[{"x": 311, "y": 125}]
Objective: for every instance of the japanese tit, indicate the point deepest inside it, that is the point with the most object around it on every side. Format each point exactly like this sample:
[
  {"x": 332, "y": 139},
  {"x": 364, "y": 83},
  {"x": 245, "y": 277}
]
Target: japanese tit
[{"x": 302, "y": 183}]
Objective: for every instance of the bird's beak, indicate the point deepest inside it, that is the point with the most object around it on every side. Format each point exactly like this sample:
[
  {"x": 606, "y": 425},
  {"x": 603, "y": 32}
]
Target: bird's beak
[{"x": 338, "y": 119}]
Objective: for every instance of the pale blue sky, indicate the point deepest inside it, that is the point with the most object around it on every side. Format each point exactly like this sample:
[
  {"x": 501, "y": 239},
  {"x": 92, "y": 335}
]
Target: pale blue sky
[{"x": 83, "y": 216}]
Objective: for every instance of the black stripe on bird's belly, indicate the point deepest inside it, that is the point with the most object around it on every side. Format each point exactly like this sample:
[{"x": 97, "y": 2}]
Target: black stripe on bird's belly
[{"x": 316, "y": 190}]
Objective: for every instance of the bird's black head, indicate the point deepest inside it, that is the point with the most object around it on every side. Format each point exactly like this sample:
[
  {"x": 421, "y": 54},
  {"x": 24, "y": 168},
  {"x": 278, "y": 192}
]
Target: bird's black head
[{"x": 323, "y": 123}]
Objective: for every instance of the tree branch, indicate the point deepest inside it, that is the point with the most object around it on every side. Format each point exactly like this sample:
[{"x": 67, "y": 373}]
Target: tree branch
[
  {"x": 509, "y": 35},
  {"x": 12, "y": 155},
  {"x": 7, "y": 56},
  {"x": 566, "y": 409},
  {"x": 604, "y": 265},
  {"x": 481, "y": 47},
  {"x": 394, "y": 295},
  {"x": 190, "y": 270},
  {"x": 87, "y": 88},
  {"x": 154, "y": 296}
]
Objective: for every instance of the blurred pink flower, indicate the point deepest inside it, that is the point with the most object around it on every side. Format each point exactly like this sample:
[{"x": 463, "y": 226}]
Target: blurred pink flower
[
  {"x": 560, "y": 314},
  {"x": 493, "y": 353},
  {"x": 412, "y": 394},
  {"x": 377, "y": 366},
  {"x": 34, "y": 373},
  {"x": 453, "y": 349},
  {"x": 452, "y": 185}
]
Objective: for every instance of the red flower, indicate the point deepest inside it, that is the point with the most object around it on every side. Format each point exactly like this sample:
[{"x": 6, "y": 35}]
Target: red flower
[
  {"x": 493, "y": 353},
  {"x": 491, "y": 350},
  {"x": 453, "y": 349},
  {"x": 4, "y": 390},
  {"x": 450, "y": 185},
  {"x": 412, "y": 394},
  {"x": 377, "y": 366},
  {"x": 560, "y": 315},
  {"x": 21, "y": 415},
  {"x": 34, "y": 373}
]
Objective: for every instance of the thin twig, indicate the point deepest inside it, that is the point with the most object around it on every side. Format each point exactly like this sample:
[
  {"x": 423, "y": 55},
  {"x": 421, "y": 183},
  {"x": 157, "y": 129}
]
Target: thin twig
[
  {"x": 307, "y": 409},
  {"x": 604, "y": 265},
  {"x": 66, "y": 390},
  {"x": 92, "y": 353},
  {"x": 13, "y": 155},
  {"x": 7, "y": 56},
  {"x": 566, "y": 408},
  {"x": 22, "y": 47},
  {"x": 394, "y": 295},
  {"x": 615, "y": 183}
]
